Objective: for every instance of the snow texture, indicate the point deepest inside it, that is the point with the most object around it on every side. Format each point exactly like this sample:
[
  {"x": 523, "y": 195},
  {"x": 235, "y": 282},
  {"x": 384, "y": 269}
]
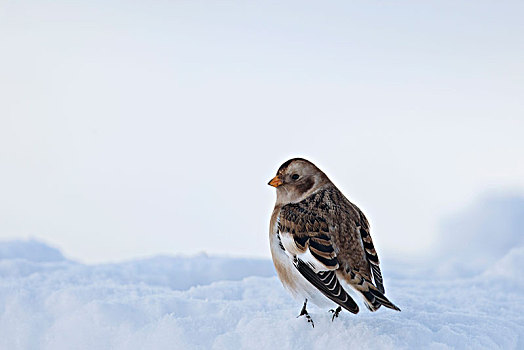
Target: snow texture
[{"x": 49, "y": 302}]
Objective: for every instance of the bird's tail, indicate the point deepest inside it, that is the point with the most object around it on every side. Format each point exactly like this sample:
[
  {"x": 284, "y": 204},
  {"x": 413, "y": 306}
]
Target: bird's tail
[{"x": 372, "y": 296}]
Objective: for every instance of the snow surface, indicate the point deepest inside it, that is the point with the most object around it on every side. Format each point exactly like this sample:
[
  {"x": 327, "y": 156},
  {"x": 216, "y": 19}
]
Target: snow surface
[{"x": 201, "y": 302}]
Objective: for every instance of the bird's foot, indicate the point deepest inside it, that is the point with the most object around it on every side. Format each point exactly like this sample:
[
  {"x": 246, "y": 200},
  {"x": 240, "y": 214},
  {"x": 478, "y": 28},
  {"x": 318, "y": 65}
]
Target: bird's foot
[
  {"x": 335, "y": 313},
  {"x": 304, "y": 312}
]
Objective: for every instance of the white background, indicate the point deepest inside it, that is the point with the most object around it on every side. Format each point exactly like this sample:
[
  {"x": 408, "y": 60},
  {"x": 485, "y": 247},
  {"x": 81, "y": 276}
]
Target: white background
[{"x": 136, "y": 128}]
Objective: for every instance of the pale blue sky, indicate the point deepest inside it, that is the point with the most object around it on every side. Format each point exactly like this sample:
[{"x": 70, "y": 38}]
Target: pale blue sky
[{"x": 132, "y": 129}]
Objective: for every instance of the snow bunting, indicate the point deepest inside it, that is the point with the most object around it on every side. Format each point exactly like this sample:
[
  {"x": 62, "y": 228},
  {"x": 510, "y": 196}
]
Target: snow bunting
[{"x": 319, "y": 239}]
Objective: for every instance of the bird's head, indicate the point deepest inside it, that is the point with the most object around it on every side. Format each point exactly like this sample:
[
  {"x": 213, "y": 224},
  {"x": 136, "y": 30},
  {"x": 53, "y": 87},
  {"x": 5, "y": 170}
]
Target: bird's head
[{"x": 296, "y": 179}]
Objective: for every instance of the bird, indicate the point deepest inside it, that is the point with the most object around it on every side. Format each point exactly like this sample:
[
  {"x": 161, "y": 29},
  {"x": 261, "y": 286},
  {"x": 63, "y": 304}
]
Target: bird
[{"x": 321, "y": 243}]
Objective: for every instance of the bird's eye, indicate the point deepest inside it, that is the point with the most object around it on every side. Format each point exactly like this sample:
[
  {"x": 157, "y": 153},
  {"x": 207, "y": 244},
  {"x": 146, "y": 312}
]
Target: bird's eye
[{"x": 295, "y": 176}]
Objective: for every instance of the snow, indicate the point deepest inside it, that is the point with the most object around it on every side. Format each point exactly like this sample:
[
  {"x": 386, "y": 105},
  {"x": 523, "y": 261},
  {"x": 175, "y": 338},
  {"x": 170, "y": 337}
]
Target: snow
[
  {"x": 201, "y": 302},
  {"x": 473, "y": 239},
  {"x": 29, "y": 250}
]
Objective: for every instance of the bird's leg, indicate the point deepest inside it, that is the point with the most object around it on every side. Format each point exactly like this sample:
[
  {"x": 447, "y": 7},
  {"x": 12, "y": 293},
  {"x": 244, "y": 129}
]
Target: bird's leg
[
  {"x": 335, "y": 313},
  {"x": 304, "y": 312}
]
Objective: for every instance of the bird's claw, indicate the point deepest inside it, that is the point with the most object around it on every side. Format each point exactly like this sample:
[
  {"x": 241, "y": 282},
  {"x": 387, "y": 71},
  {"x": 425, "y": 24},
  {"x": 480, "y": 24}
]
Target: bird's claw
[
  {"x": 303, "y": 312},
  {"x": 335, "y": 313}
]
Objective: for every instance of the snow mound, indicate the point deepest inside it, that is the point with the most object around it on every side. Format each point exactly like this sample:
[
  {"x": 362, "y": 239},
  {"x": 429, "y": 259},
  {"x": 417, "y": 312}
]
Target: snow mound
[
  {"x": 165, "y": 303},
  {"x": 184, "y": 272},
  {"x": 29, "y": 250},
  {"x": 508, "y": 270},
  {"x": 476, "y": 238}
]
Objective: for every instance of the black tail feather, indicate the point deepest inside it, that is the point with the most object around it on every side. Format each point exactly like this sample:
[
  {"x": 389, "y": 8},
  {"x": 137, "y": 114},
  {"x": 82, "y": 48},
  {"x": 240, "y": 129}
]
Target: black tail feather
[{"x": 375, "y": 299}]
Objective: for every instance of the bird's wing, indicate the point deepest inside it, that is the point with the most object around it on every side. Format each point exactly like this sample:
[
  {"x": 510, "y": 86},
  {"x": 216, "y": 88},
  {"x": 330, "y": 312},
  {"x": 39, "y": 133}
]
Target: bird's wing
[
  {"x": 369, "y": 250},
  {"x": 354, "y": 244},
  {"x": 304, "y": 234}
]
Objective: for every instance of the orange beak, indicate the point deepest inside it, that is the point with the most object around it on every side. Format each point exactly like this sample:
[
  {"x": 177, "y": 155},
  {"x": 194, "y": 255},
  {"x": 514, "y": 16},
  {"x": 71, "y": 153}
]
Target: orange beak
[{"x": 275, "y": 182}]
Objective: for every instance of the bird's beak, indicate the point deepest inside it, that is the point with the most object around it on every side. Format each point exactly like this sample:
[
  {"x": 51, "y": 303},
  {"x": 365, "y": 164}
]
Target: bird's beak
[{"x": 275, "y": 182}]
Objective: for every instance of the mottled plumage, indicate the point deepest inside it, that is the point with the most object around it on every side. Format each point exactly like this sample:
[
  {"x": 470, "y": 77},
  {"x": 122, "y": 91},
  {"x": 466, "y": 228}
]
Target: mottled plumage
[{"x": 319, "y": 239}]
